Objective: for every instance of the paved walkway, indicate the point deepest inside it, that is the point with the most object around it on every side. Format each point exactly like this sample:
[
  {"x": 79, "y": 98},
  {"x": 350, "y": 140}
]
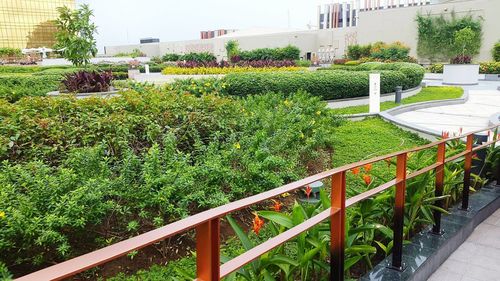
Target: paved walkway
[
  {"x": 484, "y": 101},
  {"x": 478, "y": 258}
]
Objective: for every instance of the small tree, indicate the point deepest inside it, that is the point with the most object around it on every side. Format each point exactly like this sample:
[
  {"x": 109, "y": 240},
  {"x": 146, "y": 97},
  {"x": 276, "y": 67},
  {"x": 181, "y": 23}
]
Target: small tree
[
  {"x": 232, "y": 49},
  {"x": 463, "y": 45},
  {"x": 75, "y": 34},
  {"x": 496, "y": 52}
]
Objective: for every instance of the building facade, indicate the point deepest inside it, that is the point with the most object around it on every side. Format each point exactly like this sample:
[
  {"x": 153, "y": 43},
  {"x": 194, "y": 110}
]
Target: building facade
[
  {"x": 371, "y": 21},
  {"x": 29, "y": 23},
  {"x": 215, "y": 33}
]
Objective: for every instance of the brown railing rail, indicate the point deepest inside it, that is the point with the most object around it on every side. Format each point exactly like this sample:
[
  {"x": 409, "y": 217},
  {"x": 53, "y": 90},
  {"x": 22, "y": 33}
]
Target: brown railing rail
[{"x": 207, "y": 223}]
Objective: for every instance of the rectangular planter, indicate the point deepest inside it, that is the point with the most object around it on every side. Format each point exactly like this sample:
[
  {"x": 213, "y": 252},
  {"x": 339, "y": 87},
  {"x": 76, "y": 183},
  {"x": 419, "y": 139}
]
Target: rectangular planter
[{"x": 461, "y": 74}]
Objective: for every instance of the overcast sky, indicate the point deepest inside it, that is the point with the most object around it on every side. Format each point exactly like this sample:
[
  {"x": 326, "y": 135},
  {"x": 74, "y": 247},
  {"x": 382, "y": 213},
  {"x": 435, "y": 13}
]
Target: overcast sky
[{"x": 126, "y": 21}]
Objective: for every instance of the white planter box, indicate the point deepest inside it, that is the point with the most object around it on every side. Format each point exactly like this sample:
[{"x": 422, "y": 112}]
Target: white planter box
[
  {"x": 461, "y": 74},
  {"x": 132, "y": 73}
]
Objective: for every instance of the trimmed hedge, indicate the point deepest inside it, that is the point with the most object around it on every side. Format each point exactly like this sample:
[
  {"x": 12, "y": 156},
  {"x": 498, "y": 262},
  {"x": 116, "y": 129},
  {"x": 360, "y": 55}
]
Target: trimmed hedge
[
  {"x": 14, "y": 87},
  {"x": 325, "y": 84},
  {"x": 414, "y": 73}
]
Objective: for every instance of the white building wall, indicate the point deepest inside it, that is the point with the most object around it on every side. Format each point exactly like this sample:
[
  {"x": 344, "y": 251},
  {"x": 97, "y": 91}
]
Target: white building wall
[{"x": 386, "y": 25}]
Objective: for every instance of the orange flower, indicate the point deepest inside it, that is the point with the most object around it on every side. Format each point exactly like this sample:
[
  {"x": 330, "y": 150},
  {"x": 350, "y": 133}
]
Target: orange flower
[
  {"x": 257, "y": 224},
  {"x": 355, "y": 171},
  {"x": 368, "y": 167},
  {"x": 367, "y": 179},
  {"x": 276, "y": 206},
  {"x": 308, "y": 191},
  {"x": 445, "y": 134},
  {"x": 388, "y": 161}
]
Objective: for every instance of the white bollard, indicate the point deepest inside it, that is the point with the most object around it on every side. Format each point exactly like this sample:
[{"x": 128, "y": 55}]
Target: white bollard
[
  {"x": 146, "y": 67},
  {"x": 374, "y": 92}
]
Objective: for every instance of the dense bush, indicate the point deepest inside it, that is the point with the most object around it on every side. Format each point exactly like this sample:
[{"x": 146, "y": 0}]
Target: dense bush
[
  {"x": 224, "y": 70},
  {"x": 87, "y": 81},
  {"x": 198, "y": 57},
  {"x": 10, "y": 52},
  {"x": 496, "y": 52},
  {"x": 134, "y": 54},
  {"x": 13, "y": 87},
  {"x": 396, "y": 51},
  {"x": 170, "y": 57},
  {"x": 325, "y": 84},
  {"x": 355, "y": 52},
  {"x": 380, "y": 51},
  {"x": 80, "y": 171},
  {"x": 413, "y": 73},
  {"x": 286, "y": 53}
]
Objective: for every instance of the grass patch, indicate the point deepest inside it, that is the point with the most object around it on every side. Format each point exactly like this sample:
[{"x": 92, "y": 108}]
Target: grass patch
[{"x": 427, "y": 94}]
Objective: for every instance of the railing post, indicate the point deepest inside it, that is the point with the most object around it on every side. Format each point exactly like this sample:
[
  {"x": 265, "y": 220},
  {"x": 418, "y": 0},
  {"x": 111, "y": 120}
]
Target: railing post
[
  {"x": 399, "y": 212},
  {"x": 467, "y": 167},
  {"x": 208, "y": 251},
  {"x": 441, "y": 156},
  {"x": 337, "y": 227}
]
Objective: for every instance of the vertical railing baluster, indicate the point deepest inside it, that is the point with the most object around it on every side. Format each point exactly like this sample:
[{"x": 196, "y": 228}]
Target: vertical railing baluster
[
  {"x": 467, "y": 168},
  {"x": 208, "y": 251},
  {"x": 399, "y": 212},
  {"x": 337, "y": 227},
  {"x": 441, "y": 156}
]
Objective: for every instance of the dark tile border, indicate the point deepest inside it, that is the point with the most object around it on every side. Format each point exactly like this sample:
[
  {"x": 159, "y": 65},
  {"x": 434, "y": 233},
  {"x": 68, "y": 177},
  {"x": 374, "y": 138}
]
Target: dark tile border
[{"x": 427, "y": 252}]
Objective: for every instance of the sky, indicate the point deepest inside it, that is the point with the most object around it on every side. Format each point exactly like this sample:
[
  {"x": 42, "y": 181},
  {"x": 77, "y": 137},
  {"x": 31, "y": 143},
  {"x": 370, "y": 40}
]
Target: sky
[{"x": 122, "y": 22}]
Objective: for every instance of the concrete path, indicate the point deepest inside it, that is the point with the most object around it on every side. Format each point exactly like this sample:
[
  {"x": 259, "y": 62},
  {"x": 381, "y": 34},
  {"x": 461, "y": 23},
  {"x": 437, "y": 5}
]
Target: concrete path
[
  {"x": 478, "y": 258},
  {"x": 484, "y": 101}
]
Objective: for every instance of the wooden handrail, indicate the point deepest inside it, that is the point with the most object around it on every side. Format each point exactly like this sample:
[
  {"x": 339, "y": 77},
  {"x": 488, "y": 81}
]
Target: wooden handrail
[{"x": 207, "y": 223}]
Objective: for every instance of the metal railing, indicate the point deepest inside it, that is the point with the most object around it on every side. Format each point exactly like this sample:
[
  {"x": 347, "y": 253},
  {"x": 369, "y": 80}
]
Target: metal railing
[{"x": 207, "y": 223}]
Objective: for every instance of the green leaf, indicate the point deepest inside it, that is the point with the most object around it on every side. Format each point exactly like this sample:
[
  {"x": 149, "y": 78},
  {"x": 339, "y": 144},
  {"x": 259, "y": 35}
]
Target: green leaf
[{"x": 279, "y": 218}]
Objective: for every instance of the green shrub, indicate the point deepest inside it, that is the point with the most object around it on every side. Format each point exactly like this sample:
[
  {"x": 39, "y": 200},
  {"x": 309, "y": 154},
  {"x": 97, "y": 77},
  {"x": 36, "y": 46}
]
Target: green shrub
[
  {"x": 15, "y": 86},
  {"x": 325, "y": 84},
  {"x": 287, "y": 53},
  {"x": 396, "y": 51},
  {"x": 198, "y": 57},
  {"x": 170, "y": 57},
  {"x": 436, "y": 68},
  {"x": 352, "y": 63},
  {"x": 303, "y": 63},
  {"x": 355, "y": 52},
  {"x": 74, "y": 169},
  {"x": 10, "y": 52},
  {"x": 496, "y": 52},
  {"x": 489, "y": 67}
]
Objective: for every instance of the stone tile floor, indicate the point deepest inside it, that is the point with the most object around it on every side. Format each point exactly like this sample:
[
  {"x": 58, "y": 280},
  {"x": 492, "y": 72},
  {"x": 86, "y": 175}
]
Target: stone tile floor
[{"x": 478, "y": 258}]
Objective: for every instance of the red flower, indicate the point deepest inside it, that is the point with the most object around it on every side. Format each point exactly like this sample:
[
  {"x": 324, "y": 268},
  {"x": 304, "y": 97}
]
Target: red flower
[
  {"x": 355, "y": 171},
  {"x": 445, "y": 134},
  {"x": 474, "y": 156},
  {"x": 308, "y": 191},
  {"x": 257, "y": 224},
  {"x": 368, "y": 167},
  {"x": 460, "y": 131},
  {"x": 367, "y": 179},
  {"x": 388, "y": 161},
  {"x": 276, "y": 206}
]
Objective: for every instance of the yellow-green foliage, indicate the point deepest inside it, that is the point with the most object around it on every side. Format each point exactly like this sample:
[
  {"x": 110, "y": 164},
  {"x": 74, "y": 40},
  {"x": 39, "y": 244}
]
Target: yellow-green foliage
[{"x": 224, "y": 70}]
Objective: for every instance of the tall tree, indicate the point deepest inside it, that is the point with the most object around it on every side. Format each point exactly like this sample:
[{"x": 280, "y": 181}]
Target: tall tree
[{"x": 75, "y": 34}]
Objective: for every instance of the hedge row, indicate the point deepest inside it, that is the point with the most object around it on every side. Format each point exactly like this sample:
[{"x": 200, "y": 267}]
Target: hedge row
[
  {"x": 414, "y": 73},
  {"x": 14, "y": 87},
  {"x": 325, "y": 84}
]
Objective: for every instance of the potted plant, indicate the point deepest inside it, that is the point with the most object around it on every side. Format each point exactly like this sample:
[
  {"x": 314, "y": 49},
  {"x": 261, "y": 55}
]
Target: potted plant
[
  {"x": 461, "y": 71},
  {"x": 133, "y": 68}
]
